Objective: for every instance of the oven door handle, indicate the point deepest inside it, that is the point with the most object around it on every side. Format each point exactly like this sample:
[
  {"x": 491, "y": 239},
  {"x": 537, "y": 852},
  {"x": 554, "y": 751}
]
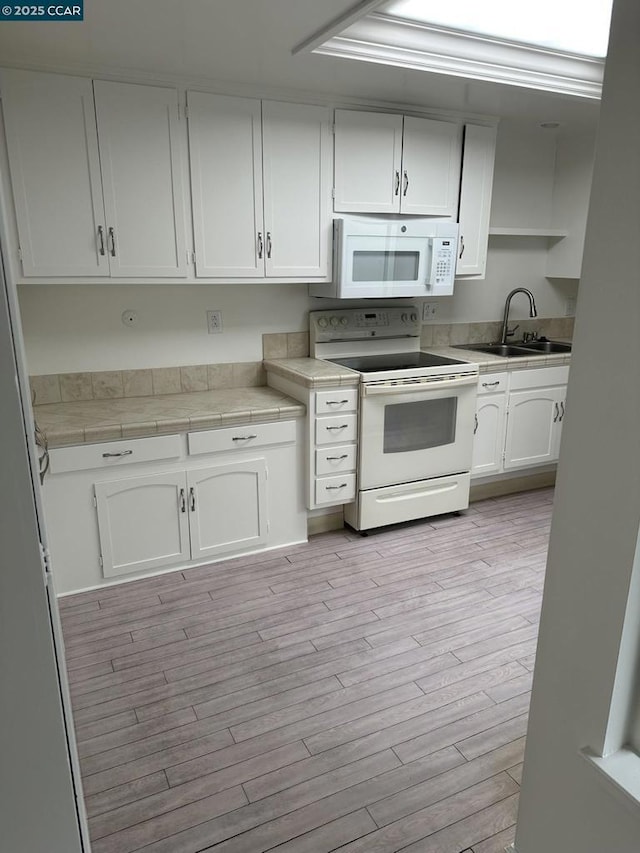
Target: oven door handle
[{"x": 418, "y": 387}]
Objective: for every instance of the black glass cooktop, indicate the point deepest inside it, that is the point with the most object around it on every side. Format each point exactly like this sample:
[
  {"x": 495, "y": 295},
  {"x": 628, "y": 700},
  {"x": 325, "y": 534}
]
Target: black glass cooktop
[{"x": 394, "y": 361}]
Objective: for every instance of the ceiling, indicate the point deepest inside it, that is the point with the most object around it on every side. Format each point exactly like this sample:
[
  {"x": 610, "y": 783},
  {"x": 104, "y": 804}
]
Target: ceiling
[{"x": 250, "y": 42}]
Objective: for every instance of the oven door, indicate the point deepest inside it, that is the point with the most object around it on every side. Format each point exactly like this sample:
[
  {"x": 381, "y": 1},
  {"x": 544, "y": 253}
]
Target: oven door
[{"x": 416, "y": 430}]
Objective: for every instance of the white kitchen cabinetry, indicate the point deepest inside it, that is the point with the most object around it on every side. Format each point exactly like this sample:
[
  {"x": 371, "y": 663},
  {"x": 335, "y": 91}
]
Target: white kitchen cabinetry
[
  {"x": 475, "y": 199},
  {"x": 129, "y": 508},
  {"x": 519, "y": 419},
  {"x": 103, "y": 200},
  {"x": 490, "y": 422},
  {"x": 396, "y": 164},
  {"x": 261, "y": 184}
]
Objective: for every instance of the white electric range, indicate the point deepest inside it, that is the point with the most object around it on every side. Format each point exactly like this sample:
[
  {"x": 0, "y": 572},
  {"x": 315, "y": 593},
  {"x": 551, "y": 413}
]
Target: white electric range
[{"x": 416, "y": 414}]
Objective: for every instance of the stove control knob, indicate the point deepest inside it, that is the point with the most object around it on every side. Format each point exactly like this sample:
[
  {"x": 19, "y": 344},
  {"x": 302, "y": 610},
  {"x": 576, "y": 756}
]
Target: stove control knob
[
  {"x": 404, "y": 318},
  {"x": 334, "y": 321},
  {"x": 344, "y": 321},
  {"x": 414, "y": 317},
  {"x": 323, "y": 322}
]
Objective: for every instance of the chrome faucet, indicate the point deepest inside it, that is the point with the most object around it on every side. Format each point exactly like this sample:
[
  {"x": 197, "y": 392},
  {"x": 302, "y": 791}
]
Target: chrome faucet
[{"x": 533, "y": 312}]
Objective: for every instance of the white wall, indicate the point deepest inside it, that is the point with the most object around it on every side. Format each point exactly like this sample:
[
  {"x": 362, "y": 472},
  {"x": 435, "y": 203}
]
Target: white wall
[
  {"x": 584, "y": 658},
  {"x": 71, "y": 328}
]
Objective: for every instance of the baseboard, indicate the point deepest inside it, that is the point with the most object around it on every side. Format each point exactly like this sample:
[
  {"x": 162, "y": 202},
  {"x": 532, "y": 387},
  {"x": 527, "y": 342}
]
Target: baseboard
[
  {"x": 325, "y": 523},
  {"x": 526, "y": 483}
]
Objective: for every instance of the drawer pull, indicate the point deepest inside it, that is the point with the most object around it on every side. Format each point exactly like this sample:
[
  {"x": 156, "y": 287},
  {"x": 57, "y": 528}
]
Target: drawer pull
[
  {"x": 490, "y": 384},
  {"x": 342, "y": 426},
  {"x": 332, "y": 488},
  {"x": 336, "y": 402},
  {"x": 119, "y": 453},
  {"x": 243, "y": 437},
  {"x": 337, "y": 458}
]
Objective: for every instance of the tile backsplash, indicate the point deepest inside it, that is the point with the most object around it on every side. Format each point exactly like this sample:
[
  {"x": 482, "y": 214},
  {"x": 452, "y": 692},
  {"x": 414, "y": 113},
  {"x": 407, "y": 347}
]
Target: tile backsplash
[
  {"x": 114, "y": 384},
  {"x": 445, "y": 334}
]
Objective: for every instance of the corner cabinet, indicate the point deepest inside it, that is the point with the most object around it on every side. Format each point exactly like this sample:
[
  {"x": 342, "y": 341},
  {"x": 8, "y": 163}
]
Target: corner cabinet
[
  {"x": 396, "y": 164},
  {"x": 126, "y": 509},
  {"x": 102, "y": 193},
  {"x": 261, "y": 187}
]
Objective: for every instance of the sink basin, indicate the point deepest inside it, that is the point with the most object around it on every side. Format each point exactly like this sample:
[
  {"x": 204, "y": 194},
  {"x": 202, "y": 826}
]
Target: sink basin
[
  {"x": 546, "y": 346},
  {"x": 505, "y": 350}
]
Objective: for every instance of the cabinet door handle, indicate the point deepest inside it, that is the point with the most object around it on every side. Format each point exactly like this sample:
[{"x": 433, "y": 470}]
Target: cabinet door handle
[
  {"x": 337, "y": 458},
  {"x": 243, "y": 437},
  {"x": 562, "y": 412},
  {"x": 336, "y": 402},
  {"x": 269, "y": 244},
  {"x": 260, "y": 246},
  {"x": 397, "y": 189},
  {"x": 101, "y": 239},
  {"x": 331, "y": 488},
  {"x": 490, "y": 384},
  {"x": 556, "y": 413},
  {"x": 461, "y": 246},
  {"x": 342, "y": 426},
  {"x": 115, "y": 454},
  {"x": 192, "y": 499},
  {"x": 475, "y": 426},
  {"x": 112, "y": 237},
  {"x": 406, "y": 183},
  {"x": 183, "y": 501}
]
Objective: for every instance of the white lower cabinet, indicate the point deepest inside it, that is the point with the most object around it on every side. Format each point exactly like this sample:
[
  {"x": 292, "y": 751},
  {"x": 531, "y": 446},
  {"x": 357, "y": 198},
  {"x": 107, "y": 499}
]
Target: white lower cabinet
[
  {"x": 180, "y": 501},
  {"x": 519, "y": 418}
]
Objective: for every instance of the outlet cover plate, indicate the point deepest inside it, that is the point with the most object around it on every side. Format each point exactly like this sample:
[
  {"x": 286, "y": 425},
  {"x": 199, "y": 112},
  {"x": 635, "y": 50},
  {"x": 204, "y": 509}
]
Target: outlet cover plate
[{"x": 214, "y": 322}]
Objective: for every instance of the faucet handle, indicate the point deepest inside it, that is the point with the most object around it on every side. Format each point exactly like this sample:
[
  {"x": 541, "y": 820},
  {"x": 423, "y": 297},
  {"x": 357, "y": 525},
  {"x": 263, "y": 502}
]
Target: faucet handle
[
  {"x": 511, "y": 332},
  {"x": 530, "y": 336}
]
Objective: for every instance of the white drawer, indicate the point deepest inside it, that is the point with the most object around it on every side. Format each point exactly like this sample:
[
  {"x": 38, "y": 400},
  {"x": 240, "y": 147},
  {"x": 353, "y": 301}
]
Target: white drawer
[
  {"x": 539, "y": 377},
  {"x": 241, "y": 437},
  {"x": 492, "y": 383},
  {"x": 340, "y": 428},
  {"x": 335, "y": 459},
  {"x": 336, "y": 490},
  {"x": 114, "y": 454},
  {"x": 341, "y": 400}
]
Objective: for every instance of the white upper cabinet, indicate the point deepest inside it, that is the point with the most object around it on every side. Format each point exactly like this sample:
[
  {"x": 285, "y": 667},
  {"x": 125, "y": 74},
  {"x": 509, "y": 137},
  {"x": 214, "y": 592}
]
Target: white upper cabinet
[
  {"x": 55, "y": 173},
  {"x": 225, "y": 151},
  {"x": 475, "y": 199},
  {"x": 261, "y": 181},
  {"x": 296, "y": 157},
  {"x": 103, "y": 200},
  {"x": 142, "y": 179},
  {"x": 394, "y": 164}
]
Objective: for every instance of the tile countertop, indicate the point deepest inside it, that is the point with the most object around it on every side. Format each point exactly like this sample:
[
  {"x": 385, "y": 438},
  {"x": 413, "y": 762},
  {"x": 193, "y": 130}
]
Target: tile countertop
[{"x": 106, "y": 420}]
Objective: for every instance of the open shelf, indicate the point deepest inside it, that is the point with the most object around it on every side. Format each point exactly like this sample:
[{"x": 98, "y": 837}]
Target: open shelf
[{"x": 504, "y": 231}]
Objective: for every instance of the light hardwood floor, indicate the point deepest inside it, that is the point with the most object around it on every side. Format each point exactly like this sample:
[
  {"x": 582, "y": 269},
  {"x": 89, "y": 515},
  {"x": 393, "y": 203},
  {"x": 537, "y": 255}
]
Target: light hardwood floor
[{"x": 361, "y": 694}]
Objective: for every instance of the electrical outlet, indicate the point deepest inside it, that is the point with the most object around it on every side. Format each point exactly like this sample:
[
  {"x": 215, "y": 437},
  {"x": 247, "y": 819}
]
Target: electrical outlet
[
  {"x": 214, "y": 322},
  {"x": 570, "y": 307},
  {"x": 429, "y": 311}
]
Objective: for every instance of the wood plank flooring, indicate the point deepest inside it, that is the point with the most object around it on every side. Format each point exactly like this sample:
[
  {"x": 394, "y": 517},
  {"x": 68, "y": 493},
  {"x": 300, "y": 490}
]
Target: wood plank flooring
[{"x": 353, "y": 694}]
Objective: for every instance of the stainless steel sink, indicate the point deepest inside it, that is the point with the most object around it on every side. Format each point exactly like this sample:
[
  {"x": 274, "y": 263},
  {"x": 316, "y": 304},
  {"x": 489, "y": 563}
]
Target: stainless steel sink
[
  {"x": 546, "y": 346},
  {"x": 519, "y": 350},
  {"x": 505, "y": 350}
]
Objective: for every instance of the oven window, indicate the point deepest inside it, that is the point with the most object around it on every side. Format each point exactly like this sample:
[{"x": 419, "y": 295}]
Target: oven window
[
  {"x": 420, "y": 425},
  {"x": 385, "y": 266}
]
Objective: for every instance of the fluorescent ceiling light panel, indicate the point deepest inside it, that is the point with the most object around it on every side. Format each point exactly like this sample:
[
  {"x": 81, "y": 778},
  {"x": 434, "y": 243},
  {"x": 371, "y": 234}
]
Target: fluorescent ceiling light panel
[
  {"x": 573, "y": 26},
  {"x": 482, "y": 40}
]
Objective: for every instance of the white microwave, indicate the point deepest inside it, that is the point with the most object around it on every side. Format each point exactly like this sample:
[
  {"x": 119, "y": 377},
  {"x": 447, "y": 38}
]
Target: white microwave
[{"x": 381, "y": 258}]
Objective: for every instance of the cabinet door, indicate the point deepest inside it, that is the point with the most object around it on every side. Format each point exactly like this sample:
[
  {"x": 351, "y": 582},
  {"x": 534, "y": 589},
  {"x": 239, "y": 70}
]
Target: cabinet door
[
  {"x": 533, "y": 427},
  {"x": 142, "y": 182},
  {"x": 475, "y": 199},
  {"x": 227, "y": 507},
  {"x": 225, "y": 152},
  {"x": 431, "y": 154},
  {"x": 368, "y": 155},
  {"x": 143, "y": 523},
  {"x": 55, "y": 173},
  {"x": 296, "y": 157},
  {"x": 488, "y": 439}
]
